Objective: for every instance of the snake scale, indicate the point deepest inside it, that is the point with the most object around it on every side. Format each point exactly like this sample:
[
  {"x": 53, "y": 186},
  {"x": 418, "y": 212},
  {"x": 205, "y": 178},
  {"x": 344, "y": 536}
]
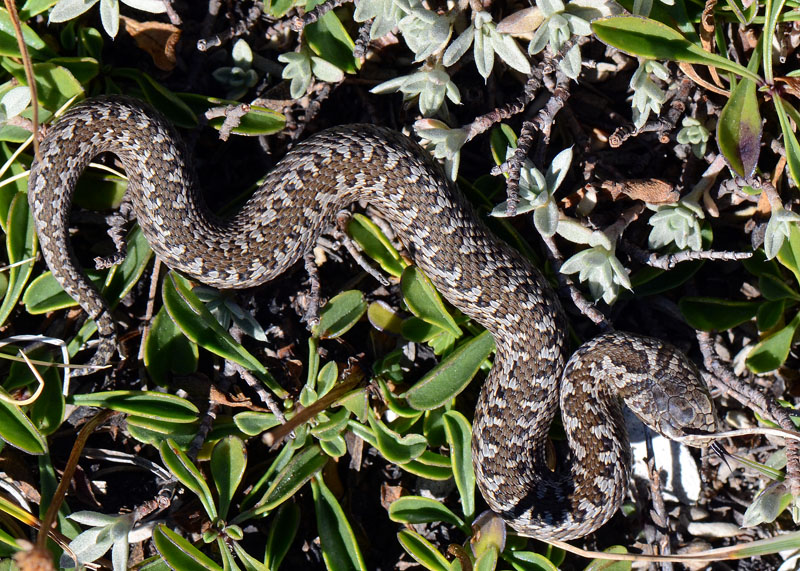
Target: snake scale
[{"x": 480, "y": 275}]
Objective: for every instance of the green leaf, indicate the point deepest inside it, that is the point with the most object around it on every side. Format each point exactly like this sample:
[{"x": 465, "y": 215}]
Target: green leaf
[
  {"x": 459, "y": 438},
  {"x": 772, "y": 351},
  {"x": 149, "y": 404},
  {"x": 55, "y": 85},
  {"x": 179, "y": 553},
  {"x": 83, "y": 69},
  {"x": 773, "y": 288},
  {"x": 714, "y": 314},
  {"x": 340, "y": 314},
  {"x": 20, "y": 245},
  {"x": 330, "y": 41},
  {"x": 45, "y": 294},
  {"x": 417, "y": 509},
  {"x": 167, "y": 350},
  {"x": 375, "y": 244},
  {"x": 431, "y": 466},
  {"x": 394, "y": 447},
  {"x": 290, "y": 479},
  {"x": 425, "y": 302},
  {"x": 18, "y": 430},
  {"x": 250, "y": 563},
  {"x": 228, "y": 462},
  {"x": 449, "y": 377},
  {"x": 422, "y": 551},
  {"x": 487, "y": 561},
  {"x": 529, "y": 561},
  {"x": 335, "y": 423},
  {"x": 197, "y": 323},
  {"x": 395, "y": 403},
  {"x": 770, "y": 314},
  {"x": 47, "y": 412},
  {"x": 8, "y": 39},
  {"x": 253, "y": 423},
  {"x": 178, "y": 463},
  {"x": 282, "y": 532},
  {"x": 489, "y": 534},
  {"x": 789, "y": 138},
  {"x": 339, "y": 547},
  {"x": 789, "y": 254},
  {"x": 154, "y": 432},
  {"x": 739, "y": 129},
  {"x": 648, "y": 38},
  {"x": 772, "y": 9},
  {"x": 384, "y": 318}
]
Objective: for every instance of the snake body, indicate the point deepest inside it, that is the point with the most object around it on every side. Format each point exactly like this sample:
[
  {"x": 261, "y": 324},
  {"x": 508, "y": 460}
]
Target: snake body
[{"x": 479, "y": 274}]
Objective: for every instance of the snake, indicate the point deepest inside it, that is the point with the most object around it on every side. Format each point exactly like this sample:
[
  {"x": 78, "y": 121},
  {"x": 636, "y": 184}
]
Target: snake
[{"x": 479, "y": 274}]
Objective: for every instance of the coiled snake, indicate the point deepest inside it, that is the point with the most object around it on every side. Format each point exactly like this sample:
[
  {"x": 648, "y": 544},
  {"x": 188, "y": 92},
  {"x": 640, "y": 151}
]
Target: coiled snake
[{"x": 477, "y": 273}]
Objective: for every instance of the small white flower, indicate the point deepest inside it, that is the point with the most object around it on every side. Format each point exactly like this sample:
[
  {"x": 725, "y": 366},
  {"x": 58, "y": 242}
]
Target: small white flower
[
  {"x": 106, "y": 532},
  {"x": 443, "y": 143},
  {"x": 647, "y": 96},
  {"x": 536, "y": 192},
  {"x": 677, "y": 223},
  {"x": 425, "y": 32},
  {"x": 598, "y": 265},
  {"x": 431, "y": 86},
  {"x": 487, "y": 41},
  {"x": 778, "y": 228},
  {"x": 561, "y": 22},
  {"x": 385, "y": 16},
  {"x": 302, "y": 65},
  {"x": 109, "y": 11},
  {"x": 694, "y": 133}
]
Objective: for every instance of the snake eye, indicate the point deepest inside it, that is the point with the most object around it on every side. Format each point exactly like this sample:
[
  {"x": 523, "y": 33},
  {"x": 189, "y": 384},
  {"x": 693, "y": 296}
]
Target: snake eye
[{"x": 681, "y": 411}]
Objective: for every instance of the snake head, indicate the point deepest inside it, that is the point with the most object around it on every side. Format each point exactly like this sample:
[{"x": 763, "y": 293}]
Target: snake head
[
  {"x": 681, "y": 407},
  {"x": 662, "y": 386}
]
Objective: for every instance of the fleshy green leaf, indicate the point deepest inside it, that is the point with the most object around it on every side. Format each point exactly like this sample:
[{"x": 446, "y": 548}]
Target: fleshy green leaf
[
  {"x": 182, "y": 468},
  {"x": 709, "y": 313},
  {"x": 179, "y": 553},
  {"x": 20, "y": 245},
  {"x": 199, "y": 325},
  {"x": 739, "y": 129},
  {"x": 340, "y": 314},
  {"x": 228, "y": 462},
  {"x": 459, "y": 438},
  {"x": 281, "y": 534},
  {"x": 426, "y": 303},
  {"x": 772, "y": 351},
  {"x": 291, "y": 478},
  {"x": 339, "y": 547},
  {"x": 18, "y": 430},
  {"x": 449, "y": 377},
  {"x": 654, "y": 40},
  {"x": 148, "y": 404},
  {"x": 416, "y": 509},
  {"x": 422, "y": 551}
]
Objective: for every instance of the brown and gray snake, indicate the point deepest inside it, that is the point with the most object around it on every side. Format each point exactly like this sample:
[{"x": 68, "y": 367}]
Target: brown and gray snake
[{"x": 480, "y": 275}]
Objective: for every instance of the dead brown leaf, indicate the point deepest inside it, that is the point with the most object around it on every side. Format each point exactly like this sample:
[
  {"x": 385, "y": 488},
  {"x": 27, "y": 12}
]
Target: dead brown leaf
[
  {"x": 792, "y": 85},
  {"x": 707, "y": 35},
  {"x": 652, "y": 191},
  {"x": 156, "y": 38}
]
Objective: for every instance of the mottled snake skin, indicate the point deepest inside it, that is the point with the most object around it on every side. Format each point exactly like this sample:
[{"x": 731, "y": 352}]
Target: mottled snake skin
[{"x": 477, "y": 273}]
